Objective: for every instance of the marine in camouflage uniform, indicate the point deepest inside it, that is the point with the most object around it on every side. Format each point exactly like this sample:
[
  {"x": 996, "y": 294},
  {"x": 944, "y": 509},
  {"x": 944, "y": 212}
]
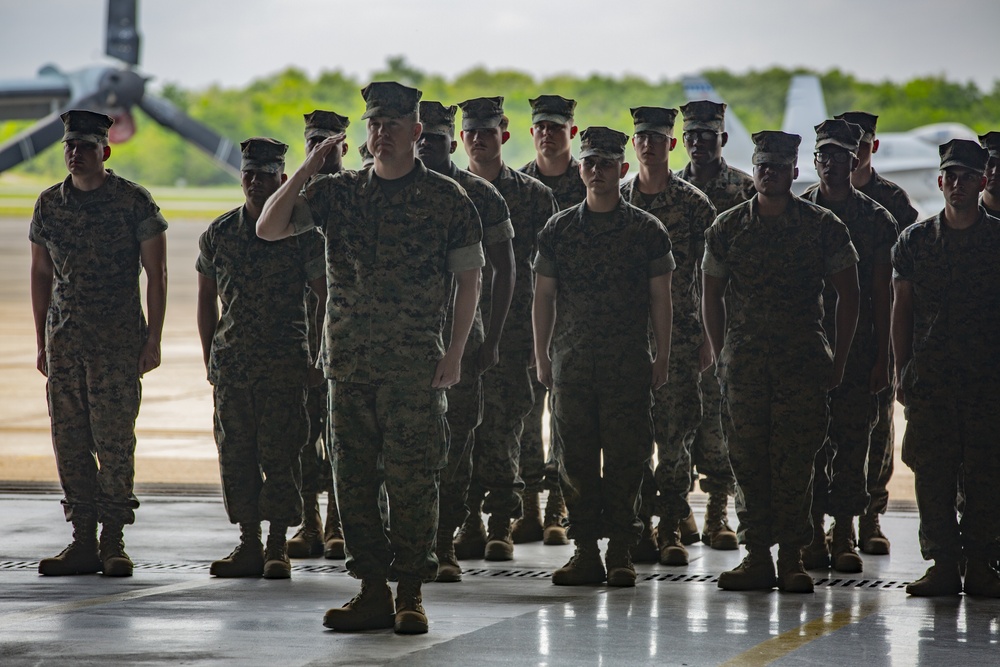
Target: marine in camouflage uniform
[
  {"x": 839, "y": 482},
  {"x": 313, "y": 538},
  {"x": 396, "y": 235},
  {"x": 704, "y": 136},
  {"x": 603, "y": 273},
  {"x": 685, "y": 213},
  {"x": 508, "y": 389},
  {"x": 765, "y": 266},
  {"x": 882, "y": 442},
  {"x": 990, "y": 199},
  {"x": 945, "y": 314},
  {"x": 258, "y": 360},
  {"x": 465, "y": 400},
  {"x": 552, "y": 129},
  {"x": 91, "y": 236}
]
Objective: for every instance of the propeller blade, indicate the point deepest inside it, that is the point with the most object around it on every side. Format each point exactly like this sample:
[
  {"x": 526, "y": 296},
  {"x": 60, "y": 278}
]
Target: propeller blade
[
  {"x": 219, "y": 148},
  {"x": 122, "y": 39}
]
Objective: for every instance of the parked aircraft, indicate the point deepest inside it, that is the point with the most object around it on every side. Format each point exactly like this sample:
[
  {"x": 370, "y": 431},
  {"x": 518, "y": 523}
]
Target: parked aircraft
[{"x": 104, "y": 88}]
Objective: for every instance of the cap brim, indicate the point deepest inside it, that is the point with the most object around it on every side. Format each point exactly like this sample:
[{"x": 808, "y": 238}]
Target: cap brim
[
  {"x": 596, "y": 152},
  {"x": 480, "y": 123},
  {"x": 444, "y": 130},
  {"x": 836, "y": 142},
  {"x": 978, "y": 168},
  {"x": 773, "y": 158},
  {"x": 653, "y": 127},
  {"x": 714, "y": 125},
  {"x": 320, "y": 132},
  {"x": 266, "y": 167},
  {"x": 550, "y": 117},
  {"x": 85, "y": 136},
  {"x": 385, "y": 112}
]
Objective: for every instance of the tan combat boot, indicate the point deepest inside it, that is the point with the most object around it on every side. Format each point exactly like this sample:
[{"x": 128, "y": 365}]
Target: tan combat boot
[
  {"x": 816, "y": 555},
  {"x": 410, "y": 619},
  {"x": 981, "y": 580},
  {"x": 529, "y": 527},
  {"x": 115, "y": 562},
  {"x": 941, "y": 579},
  {"x": 621, "y": 572},
  {"x": 333, "y": 533},
  {"x": 371, "y": 609},
  {"x": 585, "y": 567},
  {"x": 276, "y": 563},
  {"x": 688, "y": 528},
  {"x": 792, "y": 575},
  {"x": 449, "y": 571},
  {"x": 646, "y": 551},
  {"x": 470, "y": 543},
  {"x": 246, "y": 560},
  {"x": 80, "y": 557},
  {"x": 554, "y": 527},
  {"x": 717, "y": 533},
  {"x": 842, "y": 554},
  {"x": 755, "y": 573},
  {"x": 870, "y": 537},
  {"x": 499, "y": 545},
  {"x": 307, "y": 542},
  {"x": 668, "y": 538}
]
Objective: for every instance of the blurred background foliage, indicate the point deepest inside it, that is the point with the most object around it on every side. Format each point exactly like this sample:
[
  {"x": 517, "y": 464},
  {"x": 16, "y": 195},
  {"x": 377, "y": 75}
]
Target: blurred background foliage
[{"x": 273, "y": 106}]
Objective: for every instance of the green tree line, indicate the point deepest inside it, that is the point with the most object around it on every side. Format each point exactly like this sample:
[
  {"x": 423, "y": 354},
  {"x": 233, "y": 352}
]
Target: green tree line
[{"x": 273, "y": 106}]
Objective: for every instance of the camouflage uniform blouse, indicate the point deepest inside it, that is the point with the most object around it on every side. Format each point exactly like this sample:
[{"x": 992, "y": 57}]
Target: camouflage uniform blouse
[
  {"x": 602, "y": 267},
  {"x": 893, "y": 198},
  {"x": 531, "y": 205},
  {"x": 389, "y": 266},
  {"x": 686, "y": 213},
  {"x": 777, "y": 267},
  {"x": 873, "y": 232},
  {"x": 263, "y": 329},
  {"x": 729, "y": 188},
  {"x": 93, "y": 239},
  {"x": 569, "y": 190},
  {"x": 956, "y": 302}
]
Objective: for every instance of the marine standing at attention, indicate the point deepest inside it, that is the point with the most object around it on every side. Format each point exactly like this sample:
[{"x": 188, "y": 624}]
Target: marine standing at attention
[{"x": 91, "y": 236}]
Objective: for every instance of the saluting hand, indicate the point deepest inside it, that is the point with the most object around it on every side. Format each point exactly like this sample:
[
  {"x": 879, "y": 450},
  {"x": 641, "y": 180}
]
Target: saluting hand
[{"x": 317, "y": 157}]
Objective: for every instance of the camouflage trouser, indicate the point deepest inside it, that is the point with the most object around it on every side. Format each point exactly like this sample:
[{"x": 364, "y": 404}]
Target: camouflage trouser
[
  {"x": 394, "y": 434},
  {"x": 676, "y": 416},
  {"x": 881, "y": 450},
  {"x": 508, "y": 396},
  {"x": 608, "y": 413},
  {"x": 465, "y": 412},
  {"x": 840, "y": 478},
  {"x": 946, "y": 435},
  {"x": 259, "y": 432},
  {"x": 709, "y": 452},
  {"x": 93, "y": 403},
  {"x": 317, "y": 474},
  {"x": 775, "y": 419},
  {"x": 539, "y": 472}
]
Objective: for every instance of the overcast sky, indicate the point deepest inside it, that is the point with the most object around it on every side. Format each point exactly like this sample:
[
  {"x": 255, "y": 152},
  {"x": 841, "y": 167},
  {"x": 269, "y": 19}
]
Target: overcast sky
[{"x": 199, "y": 42}]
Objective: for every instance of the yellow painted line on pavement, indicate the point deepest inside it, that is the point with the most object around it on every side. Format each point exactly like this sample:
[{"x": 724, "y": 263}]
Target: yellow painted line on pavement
[
  {"x": 778, "y": 647},
  {"x": 67, "y": 607}
]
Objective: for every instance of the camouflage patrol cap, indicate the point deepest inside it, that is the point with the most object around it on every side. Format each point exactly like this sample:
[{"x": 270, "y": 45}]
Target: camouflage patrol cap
[
  {"x": 991, "y": 142},
  {"x": 772, "y": 146},
  {"x": 866, "y": 120},
  {"x": 481, "y": 113},
  {"x": 963, "y": 153},
  {"x": 263, "y": 154},
  {"x": 85, "y": 125},
  {"x": 654, "y": 119},
  {"x": 366, "y": 155},
  {"x": 553, "y": 108},
  {"x": 603, "y": 142},
  {"x": 704, "y": 115},
  {"x": 389, "y": 99},
  {"x": 437, "y": 118},
  {"x": 325, "y": 124},
  {"x": 840, "y": 133}
]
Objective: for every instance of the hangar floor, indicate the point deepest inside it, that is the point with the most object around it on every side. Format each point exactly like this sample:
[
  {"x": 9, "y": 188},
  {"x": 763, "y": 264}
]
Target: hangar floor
[{"x": 173, "y": 612}]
